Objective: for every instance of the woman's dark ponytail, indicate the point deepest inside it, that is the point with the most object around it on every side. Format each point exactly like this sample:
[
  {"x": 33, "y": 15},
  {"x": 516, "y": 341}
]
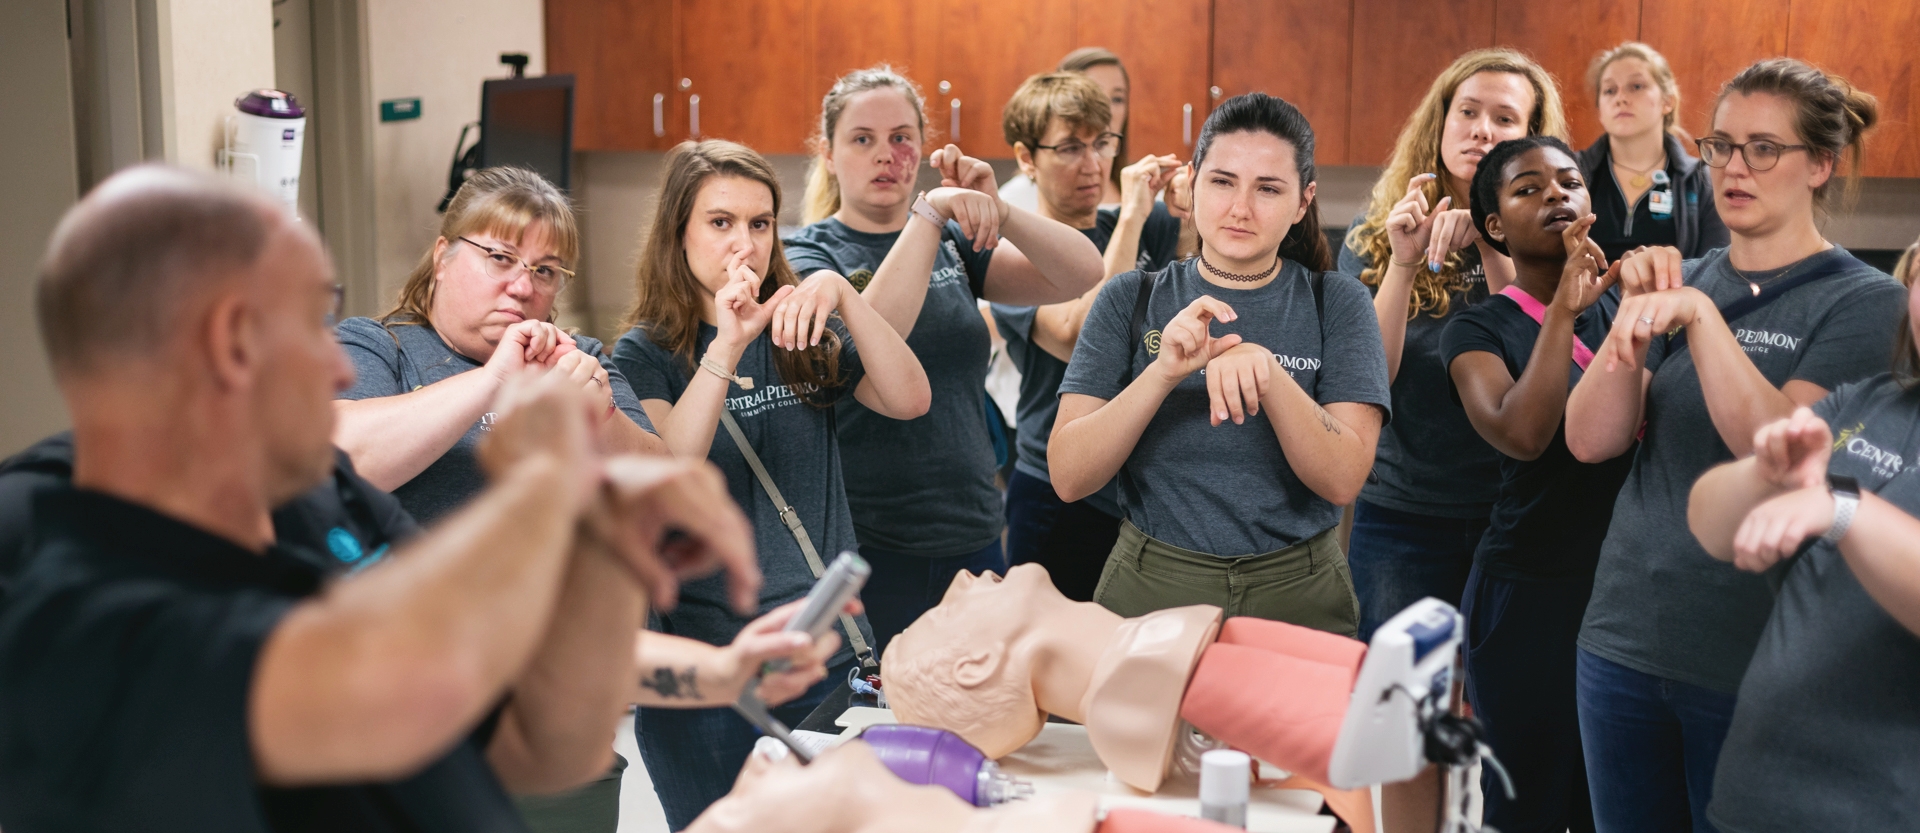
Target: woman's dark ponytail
[{"x": 1261, "y": 113}]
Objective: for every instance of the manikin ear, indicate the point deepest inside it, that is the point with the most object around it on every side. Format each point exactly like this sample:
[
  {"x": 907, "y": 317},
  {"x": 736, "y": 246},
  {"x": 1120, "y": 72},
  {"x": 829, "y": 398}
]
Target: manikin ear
[
  {"x": 1306, "y": 201},
  {"x": 1023, "y": 156},
  {"x": 978, "y": 667},
  {"x": 232, "y": 341},
  {"x": 1494, "y": 231}
]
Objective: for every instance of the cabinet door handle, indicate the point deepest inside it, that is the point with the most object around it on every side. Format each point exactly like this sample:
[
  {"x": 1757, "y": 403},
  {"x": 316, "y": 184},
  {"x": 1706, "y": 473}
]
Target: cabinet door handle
[
  {"x": 693, "y": 115},
  {"x": 659, "y": 114},
  {"x": 1186, "y": 125},
  {"x": 953, "y": 132}
]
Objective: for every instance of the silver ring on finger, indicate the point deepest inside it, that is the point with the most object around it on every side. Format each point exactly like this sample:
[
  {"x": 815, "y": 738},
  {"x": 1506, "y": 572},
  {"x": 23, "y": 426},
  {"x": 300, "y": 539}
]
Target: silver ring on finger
[{"x": 1645, "y": 320}]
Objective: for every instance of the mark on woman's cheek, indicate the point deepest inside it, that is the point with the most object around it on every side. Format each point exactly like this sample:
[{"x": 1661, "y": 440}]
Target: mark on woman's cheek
[{"x": 903, "y": 161}]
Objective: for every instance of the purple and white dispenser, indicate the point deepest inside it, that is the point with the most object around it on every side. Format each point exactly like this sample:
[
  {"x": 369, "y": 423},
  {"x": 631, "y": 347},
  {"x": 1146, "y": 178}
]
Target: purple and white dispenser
[{"x": 923, "y": 755}]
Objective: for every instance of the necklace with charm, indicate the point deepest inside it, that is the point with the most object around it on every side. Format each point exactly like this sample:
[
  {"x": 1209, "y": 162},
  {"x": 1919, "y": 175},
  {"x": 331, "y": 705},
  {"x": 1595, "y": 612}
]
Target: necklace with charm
[
  {"x": 1755, "y": 280},
  {"x": 1641, "y": 178}
]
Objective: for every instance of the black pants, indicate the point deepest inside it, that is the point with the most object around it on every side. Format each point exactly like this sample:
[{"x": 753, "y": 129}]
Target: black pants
[
  {"x": 1520, "y": 680},
  {"x": 1071, "y": 540}
]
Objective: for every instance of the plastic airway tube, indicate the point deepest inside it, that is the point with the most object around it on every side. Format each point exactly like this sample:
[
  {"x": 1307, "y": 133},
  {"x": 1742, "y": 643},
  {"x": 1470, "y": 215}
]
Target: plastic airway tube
[{"x": 1224, "y": 779}]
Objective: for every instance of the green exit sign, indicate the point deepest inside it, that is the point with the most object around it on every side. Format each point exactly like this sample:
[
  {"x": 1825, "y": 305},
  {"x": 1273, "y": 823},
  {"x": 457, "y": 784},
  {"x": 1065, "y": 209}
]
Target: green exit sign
[{"x": 399, "y": 109}]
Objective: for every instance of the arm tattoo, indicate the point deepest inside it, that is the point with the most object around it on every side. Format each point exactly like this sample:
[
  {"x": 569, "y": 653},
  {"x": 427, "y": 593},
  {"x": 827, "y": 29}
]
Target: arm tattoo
[
  {"x": 672, "y": 686},
  {"x": 1326, "y": 419}
]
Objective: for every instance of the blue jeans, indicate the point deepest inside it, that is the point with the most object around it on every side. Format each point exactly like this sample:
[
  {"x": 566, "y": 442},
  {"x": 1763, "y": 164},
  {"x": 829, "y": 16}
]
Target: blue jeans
[
  {"x": 1651, "y": 746},
  {"x": 694, "y": 755},
  {"x": 904, "y": 586},
  {"x": 1071, "y": 540},
  {"x": 1398, "y": 558},
  {"x": 1520, "y": 680}
]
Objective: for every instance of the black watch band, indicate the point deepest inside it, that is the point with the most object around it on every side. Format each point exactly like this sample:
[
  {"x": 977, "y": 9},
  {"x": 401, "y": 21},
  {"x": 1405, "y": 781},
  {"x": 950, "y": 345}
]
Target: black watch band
[{"x": 1841, "y": 484}]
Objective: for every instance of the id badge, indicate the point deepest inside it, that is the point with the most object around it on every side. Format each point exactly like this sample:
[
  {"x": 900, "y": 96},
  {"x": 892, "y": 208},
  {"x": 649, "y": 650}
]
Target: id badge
[{"x": 1660, "y": 203}]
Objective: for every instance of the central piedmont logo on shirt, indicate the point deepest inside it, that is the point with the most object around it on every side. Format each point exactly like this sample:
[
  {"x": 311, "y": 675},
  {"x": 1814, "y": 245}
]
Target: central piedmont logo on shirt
[
  {"x": 860, "y": 278},
  {"x": 1884, "y": 463},
  {"x": 1152, "y": 341},
  {"x": 487, "y": 420},
  {"x": 761, "y": 400},
  {"x": 950, "y": 275},
  {"x": 1762, "y": 341}
]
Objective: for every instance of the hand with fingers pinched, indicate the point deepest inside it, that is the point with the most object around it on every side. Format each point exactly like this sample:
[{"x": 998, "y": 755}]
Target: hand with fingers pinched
[
  {"x": 978, "y": 214},
  {"x": 958, "y": 170},
  {"x": 540, "y": 414},
  {"x": 1650, "y": 269},
  {"x": 1776, "y": 529},
  {"x": 1410, "y": 222},
  {"x": 1236, "y": 381},
  {"x": 1186, "y": 343},
  {"x": 585, "y": 370},
  {"x": 1586, "y": 276},
  {"x": 1141, "y": 181},
  {"x": 1792, "y": 453},
  {"x": 800, "y": 318},
  {"x": 528, "y": 344},
  {"x": 740, "y": 312},
  {"x": 672, "y": 520},
  {"x": 1642, "y": 318},
  {"x": 1180, "y": 192}
]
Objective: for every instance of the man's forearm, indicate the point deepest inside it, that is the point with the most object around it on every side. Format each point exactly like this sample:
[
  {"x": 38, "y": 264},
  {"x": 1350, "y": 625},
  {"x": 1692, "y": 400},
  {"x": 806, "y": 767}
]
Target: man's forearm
[{"x": 558, "y": 730}]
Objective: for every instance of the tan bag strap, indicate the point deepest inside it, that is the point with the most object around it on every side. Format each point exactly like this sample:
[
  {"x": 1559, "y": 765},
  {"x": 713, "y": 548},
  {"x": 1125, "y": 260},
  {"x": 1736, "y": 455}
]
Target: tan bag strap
[{"x": 792, "y": 520}]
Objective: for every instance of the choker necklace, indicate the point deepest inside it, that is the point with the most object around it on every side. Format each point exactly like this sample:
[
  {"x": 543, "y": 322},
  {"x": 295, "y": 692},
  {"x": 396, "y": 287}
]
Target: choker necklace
[{"x": 1241, "y": 278}]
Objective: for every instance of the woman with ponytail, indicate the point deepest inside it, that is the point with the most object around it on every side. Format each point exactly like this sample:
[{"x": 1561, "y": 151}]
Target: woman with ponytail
[
  {"x": 1237, "y": 395},
  {"x": 1702, "y": 354},
  {"x": 923, "y": 495}
]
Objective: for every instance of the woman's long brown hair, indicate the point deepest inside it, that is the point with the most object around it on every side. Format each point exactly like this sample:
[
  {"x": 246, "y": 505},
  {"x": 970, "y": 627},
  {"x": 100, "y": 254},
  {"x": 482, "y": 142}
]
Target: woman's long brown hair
[{"x": 667, "y": 296}]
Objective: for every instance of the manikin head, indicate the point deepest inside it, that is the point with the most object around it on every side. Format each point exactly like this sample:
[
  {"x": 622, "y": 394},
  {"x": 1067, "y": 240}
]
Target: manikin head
[
  {"x": 986, "y": 663},
  {"x": 848, "y": 790}
]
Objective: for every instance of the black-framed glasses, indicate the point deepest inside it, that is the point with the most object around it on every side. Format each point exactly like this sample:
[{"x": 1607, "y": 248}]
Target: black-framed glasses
[
  {"x": 502, "y": 264},
  {"x": 337, "y": 304},
  {"x": 1761, "y": 155},
  {"x": 1106, "y": 145}
]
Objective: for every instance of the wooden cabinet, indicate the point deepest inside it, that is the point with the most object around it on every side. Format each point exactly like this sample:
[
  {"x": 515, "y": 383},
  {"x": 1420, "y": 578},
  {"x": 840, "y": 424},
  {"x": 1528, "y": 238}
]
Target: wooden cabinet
[
  {"x": 1704, "y": 57},
  {"x": 1164, "y": 45},
  {"x": 1564, "y": 37},
  {"x": 1299, "y": 50},
  {"x": 1398, "y": 48},
  {"x": 621, "y": 56},
  {"x": 1870, "y": 43},
  {"x": 746, "y": 61},
  {"x": 1356, "y": 68}
]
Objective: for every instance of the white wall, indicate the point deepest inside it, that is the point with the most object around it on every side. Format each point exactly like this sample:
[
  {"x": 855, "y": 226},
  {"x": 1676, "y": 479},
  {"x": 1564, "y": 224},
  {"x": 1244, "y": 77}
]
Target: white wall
[
  {"x": 438, "y": 51},
  {"x": 211, "y": 52},
  {"x": 38, "y": 166}
]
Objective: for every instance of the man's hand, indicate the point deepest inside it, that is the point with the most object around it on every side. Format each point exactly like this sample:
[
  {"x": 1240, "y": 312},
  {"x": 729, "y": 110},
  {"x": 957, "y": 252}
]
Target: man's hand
[
  {"x": 543, "y": 413},
  {"x": 673, "y": 520}
]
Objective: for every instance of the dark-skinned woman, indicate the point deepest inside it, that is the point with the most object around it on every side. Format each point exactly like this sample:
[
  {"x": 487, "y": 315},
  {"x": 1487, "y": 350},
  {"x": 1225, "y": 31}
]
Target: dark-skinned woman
[{"x": 1513, "y": 360}]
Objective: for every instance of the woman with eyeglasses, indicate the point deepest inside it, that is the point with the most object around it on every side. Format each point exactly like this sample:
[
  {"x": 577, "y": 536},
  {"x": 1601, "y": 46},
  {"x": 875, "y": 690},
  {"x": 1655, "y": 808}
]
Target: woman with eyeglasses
[
  {"x": 922, "y": 491},
  {"x": 1647, "y": 189},
  {"x": 1701, "y": 355},
  {"x": 1061, "y": 130},
  {"x": 477, "y": 309},
  {"x": 1104, "y": 68}
]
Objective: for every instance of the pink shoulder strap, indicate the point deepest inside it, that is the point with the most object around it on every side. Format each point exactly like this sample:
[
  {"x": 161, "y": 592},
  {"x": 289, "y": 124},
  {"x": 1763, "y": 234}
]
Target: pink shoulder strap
[{"x": 1582, "y": 355}]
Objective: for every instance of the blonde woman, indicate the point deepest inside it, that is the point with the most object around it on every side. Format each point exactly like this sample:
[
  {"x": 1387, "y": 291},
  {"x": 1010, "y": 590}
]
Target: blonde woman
[
  {"x": 478, "y": 308},
  {"x": 1647, "y": 190},
  {"x": 1426, "y": 504},
  {"x": 923, "y": 495}
]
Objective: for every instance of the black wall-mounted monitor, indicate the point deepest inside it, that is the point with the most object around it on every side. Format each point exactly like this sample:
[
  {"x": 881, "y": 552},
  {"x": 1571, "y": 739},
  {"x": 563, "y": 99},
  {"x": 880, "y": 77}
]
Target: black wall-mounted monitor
[{"x": 528, "y": 123}]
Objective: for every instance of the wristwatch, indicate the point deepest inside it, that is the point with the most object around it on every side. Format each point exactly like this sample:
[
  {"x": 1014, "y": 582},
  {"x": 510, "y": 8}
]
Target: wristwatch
[
  {"x": 1846, "y": 499},
  {"x": 926, "y": 211}
]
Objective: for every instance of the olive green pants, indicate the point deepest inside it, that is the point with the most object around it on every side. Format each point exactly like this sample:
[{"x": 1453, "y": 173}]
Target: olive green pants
[
  {"x": 1306, "y": 584},
  {"x": 594, "y": 808}
]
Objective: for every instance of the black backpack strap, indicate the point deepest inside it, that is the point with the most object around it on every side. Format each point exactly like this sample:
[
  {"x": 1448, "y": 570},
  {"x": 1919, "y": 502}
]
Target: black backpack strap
[
  {"x": 1318, "y": 281},
  {"x": 1137, "y": 328}
]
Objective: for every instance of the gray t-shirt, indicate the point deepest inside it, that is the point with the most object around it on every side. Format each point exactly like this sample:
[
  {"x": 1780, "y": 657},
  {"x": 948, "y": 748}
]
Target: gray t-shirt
[
  {"x": 1661, "y": 605},
  {"x": 796, "y": 443},
  {"x": 920, "y": 486},
  {"x": 1430, "y": 460},
  {"x": 1040, "y": 372},
  {"x": 401, "y": 358},
  {"x": 1826, "y": 735},
  {"x": 1228, "y": 489}
]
